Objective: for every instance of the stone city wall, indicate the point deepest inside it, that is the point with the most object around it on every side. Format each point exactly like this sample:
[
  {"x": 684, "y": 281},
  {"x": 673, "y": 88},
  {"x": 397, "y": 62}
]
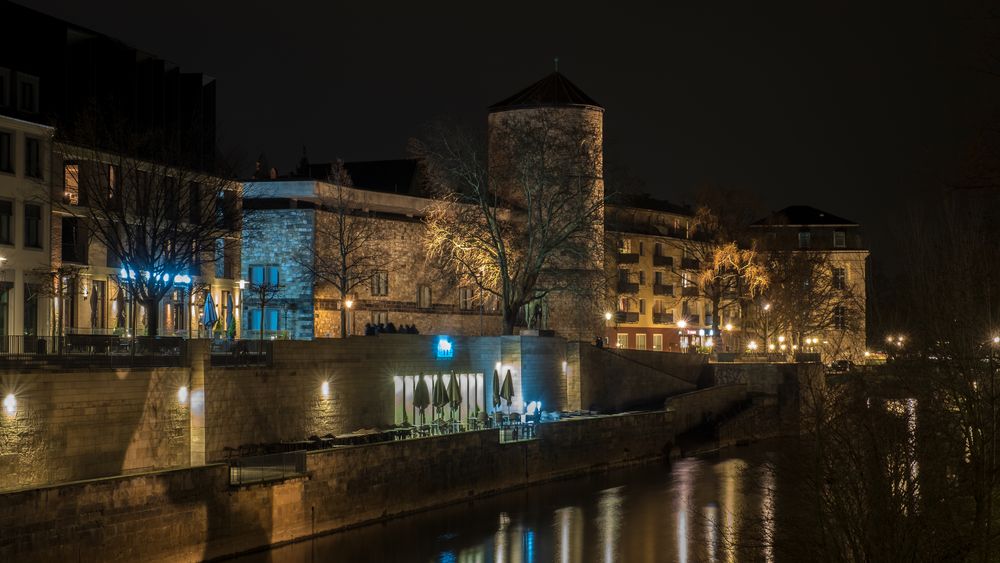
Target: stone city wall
[
  {"x": 697, "y": 407},
  {"x": 81, "y": 424},
  {"x": 193, "y": 514}
]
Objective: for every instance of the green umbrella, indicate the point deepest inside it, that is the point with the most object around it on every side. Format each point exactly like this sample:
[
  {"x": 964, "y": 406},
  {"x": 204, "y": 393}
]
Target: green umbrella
[
  {"x": 454, "y": 394},
  {"x": 440, "y": 393},
  {"x": 496, "y": 390},
  {"x": 421, "y": 396},
  {"x": 507, "y": 389}
]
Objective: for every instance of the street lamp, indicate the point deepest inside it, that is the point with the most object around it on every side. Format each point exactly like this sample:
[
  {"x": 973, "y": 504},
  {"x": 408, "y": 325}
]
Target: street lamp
[
  {"x": 681, "y": 323},
  {"x": 350, "y": 303},
  {"x": 607, "y": 316}
]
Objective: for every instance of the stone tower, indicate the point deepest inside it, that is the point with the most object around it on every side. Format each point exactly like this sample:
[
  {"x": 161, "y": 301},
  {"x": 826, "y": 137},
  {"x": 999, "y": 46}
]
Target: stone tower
[{"x": 553, "y": 120}]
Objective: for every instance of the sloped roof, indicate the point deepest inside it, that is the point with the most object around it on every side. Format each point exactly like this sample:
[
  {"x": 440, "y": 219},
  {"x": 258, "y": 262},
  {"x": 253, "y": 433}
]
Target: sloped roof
[
  {"x": 801, "y": 215},
  {"x": 553, "y": 90}
]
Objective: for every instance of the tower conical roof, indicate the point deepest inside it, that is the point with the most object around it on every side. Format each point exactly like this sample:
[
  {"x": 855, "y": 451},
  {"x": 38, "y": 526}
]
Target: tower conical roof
[{"x": 553, "y": 90}]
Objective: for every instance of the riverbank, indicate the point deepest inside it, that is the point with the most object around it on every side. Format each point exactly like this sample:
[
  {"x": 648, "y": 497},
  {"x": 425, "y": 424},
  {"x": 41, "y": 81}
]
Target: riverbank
[{"x": 194, "y": 514}]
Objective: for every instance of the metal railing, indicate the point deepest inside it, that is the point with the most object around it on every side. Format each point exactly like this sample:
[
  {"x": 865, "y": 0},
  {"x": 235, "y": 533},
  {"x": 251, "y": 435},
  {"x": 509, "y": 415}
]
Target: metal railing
[
  {"x": 100, "y": 350},
  {"x": 626, "y": 317},
  {"x": 662, "y": 289},
  {"x": 242, "y": 353},
  {"x": 627, "y": 258},
  {"x": 660, "y": 260},
  {"x": 270, "y": 467},
  {"x": 627, "y": 287},
  {"x": 663, "y": 318}
]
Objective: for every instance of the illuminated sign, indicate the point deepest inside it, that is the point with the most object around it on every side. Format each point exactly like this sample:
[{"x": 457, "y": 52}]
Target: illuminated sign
[{"x": 444, "y": 348}]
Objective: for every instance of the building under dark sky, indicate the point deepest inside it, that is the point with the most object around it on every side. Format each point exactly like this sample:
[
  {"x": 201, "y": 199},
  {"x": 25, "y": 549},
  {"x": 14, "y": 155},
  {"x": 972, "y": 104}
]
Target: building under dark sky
[{"x": 848, "y": 107}]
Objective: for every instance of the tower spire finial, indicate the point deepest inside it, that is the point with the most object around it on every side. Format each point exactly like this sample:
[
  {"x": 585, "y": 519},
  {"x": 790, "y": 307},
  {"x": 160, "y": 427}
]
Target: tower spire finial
[{"x": 557, "y": 64}]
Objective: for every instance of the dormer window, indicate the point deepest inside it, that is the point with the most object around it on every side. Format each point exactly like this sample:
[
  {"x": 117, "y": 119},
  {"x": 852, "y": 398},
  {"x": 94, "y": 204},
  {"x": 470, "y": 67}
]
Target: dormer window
[
  {"x": 27, "y": 93},
  {"x": 805, "y": 238},
  {"x": 839, "y": 239}
]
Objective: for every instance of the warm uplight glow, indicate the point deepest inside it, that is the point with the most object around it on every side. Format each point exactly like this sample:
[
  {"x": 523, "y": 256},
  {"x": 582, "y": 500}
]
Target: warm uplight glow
[
  {"x": 325, "y": 388},
  {"x": 729, "y": 326},
  {"x": 752, "y": 346},
  {"x": 681, "y": 323},
  {"x": 767, "y": 306},
  {"x": 782, "y": 347},
  {"x": 781, "y": 339},
  {"x": 867, "y": 353},
  {"x": 607, "y": 316},
  {"x": 182, "y": 394},
  {"x": 770, "y": 347},
  {"x": 349, "y": 303},
  {"x": 10, "y": 404}
]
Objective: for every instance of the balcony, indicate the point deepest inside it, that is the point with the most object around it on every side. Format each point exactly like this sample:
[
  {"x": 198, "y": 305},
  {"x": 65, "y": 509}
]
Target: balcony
[
  {"x": 626, "y": 317},
  {"x": 689, "y": 291},
  {"x": 626, "y": 287},
  {"x": 628, "y": 258},
  {"x": 667, "y": 261},
  {"x": 663, "y": 318},
  {"x": 661, "y": 289},
  {"x": 690, "y": 263}
]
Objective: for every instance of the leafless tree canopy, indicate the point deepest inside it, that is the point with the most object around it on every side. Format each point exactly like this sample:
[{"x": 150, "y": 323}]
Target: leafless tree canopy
[
  {"x": 525, "y": 224},
  {"x": 156, "y": 216},
  {"x": 348, "y": 250}
]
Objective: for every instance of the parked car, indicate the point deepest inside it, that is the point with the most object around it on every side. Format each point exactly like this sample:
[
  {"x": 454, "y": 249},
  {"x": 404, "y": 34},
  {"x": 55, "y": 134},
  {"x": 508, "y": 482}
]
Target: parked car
[{"x": 841, "y": 366}]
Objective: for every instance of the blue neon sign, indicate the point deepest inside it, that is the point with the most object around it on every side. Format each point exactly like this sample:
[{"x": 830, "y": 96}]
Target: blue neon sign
[{"x": 445, "y": 349}]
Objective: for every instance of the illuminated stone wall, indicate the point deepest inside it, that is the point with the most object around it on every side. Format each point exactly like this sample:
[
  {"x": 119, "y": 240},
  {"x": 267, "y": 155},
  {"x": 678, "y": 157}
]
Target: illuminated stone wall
[
  {"x": 77, "y": 425},
  {"x": 612, "y": 382}
]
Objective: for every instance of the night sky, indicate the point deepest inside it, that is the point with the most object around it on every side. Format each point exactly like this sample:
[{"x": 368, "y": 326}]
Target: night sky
[{"x": 845, "y": 106}]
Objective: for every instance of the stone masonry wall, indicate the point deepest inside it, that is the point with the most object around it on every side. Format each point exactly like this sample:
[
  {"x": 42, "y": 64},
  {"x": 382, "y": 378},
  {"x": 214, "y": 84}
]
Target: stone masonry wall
[
  {"x": 692, "y": 409},
  {"x": 78, "y": 425},
  {"x": 189, "y": 515},
  {"x": 611, "y": 382}
]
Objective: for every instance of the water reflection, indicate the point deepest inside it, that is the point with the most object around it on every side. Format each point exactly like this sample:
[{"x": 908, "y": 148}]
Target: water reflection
[{"x": 690, "y": 512}]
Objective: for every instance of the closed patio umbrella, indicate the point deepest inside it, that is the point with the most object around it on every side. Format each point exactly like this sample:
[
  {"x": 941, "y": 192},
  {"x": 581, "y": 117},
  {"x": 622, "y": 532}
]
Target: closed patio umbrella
[
  {"x": 230, "y": 317},
  {"x": 209, "y": 317},
  {"x": 440, "y": 393},
  {"x": 421, "y": 396},
  {"x": 454, "y": 394},
  {"x": 496, "y": 390},
  {"x": 507, "y": 389}
]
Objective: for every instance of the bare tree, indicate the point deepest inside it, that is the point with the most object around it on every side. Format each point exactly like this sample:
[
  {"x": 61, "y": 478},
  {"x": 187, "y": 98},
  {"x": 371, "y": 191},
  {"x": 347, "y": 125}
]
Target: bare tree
[
  {"x": 149, "y": 201},
  {"x": 56, "y": 283},
  {"x": 808, "y": 295},
  {"x": 527, "y": 225},
  {"x": 262, "y": 292},
  {"x": 718, "y": 259},
  {"x": 348, "y": 249}
]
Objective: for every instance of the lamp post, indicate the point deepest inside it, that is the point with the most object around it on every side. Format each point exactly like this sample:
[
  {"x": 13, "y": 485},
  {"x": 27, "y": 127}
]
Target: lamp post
[{"x": 350, "y": 315}]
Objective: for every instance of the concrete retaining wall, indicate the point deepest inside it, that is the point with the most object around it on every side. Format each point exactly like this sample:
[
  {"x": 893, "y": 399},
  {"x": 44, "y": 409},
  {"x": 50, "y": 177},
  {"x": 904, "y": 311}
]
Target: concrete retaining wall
[
  {"x": 192, "y": 514},
  {"x": 613, "y": 382},
  {"x": 694, "y": 408}
]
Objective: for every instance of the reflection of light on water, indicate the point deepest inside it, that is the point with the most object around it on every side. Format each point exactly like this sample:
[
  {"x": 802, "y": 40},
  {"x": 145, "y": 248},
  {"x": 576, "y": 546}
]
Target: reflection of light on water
[
  {"x": 500, "y": 539},
  {"x": 711, "y": 529},
  {"x": 767, "y": 511},
  {"x": 685, "y": 484},
  {"x": 472, "y": 555},
  {"x": 569, "y": 529},
  {"x": 609, "y": 509},
  {"x": 729, "y": 472}
]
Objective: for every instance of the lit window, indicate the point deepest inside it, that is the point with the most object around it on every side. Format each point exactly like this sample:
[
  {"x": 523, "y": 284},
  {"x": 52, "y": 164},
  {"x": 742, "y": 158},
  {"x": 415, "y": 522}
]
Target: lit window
[
  {"x": 622, "y": 340},
  {"x": 465, "y": 297},
  {"x": 657, "y": 342},
  {"x": 424, "y": 296},
  {"x": 640, "y": 341}
]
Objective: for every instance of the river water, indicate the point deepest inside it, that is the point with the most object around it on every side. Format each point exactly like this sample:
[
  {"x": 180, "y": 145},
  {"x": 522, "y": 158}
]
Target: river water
[{"x": 688, "y": 511}]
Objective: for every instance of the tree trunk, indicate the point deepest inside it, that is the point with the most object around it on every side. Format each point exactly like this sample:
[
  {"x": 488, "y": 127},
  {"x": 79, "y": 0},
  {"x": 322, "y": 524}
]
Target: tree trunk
[
  {"x": 152, "y": 316},
  {"x": 343, "y": 315},
  {"x": 509, "y": 320},
  {"x": 716, "y": 333}
]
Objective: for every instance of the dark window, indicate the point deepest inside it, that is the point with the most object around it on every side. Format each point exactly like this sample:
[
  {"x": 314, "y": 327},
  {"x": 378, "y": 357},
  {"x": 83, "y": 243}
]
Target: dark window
[
  {"x": 839, "y": 278},
  {"x": 6, "y": 221},
  {"x": 424, "y": 296},
  {"x": 4, "y": 87},
  {"x": 32, "y": 157},
  {"x": 840, "y": 317},
  {"x": 27, "y": 93},
  {"x": 99, "y": 305},
  {"x": 642, "y": 306},
  {"x": 5, "y": 294},
  {"x": 380, "y": 283},
  {"x": 74, "y": 241},
  {"x": 6, "y": 152},
  {"x": 640, "y": 248},
  {"x": 465, "y": 297},
  {"x": 31, "y": 308},
  {"x": 804, "y": 239},
  {"x": 839, "y": 239},
  {"x": 32, "y": 226}
]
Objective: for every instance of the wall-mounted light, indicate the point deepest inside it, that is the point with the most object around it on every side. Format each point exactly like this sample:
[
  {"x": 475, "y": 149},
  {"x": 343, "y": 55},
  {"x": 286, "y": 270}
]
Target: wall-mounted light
[
  {"x": 607, "y": 316},
  {"x": 10, "y": 404},
  {"x": 243, "y": 284},
  {"x": 182, "y": 394},
  {"x": 324, "y": 388}
]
